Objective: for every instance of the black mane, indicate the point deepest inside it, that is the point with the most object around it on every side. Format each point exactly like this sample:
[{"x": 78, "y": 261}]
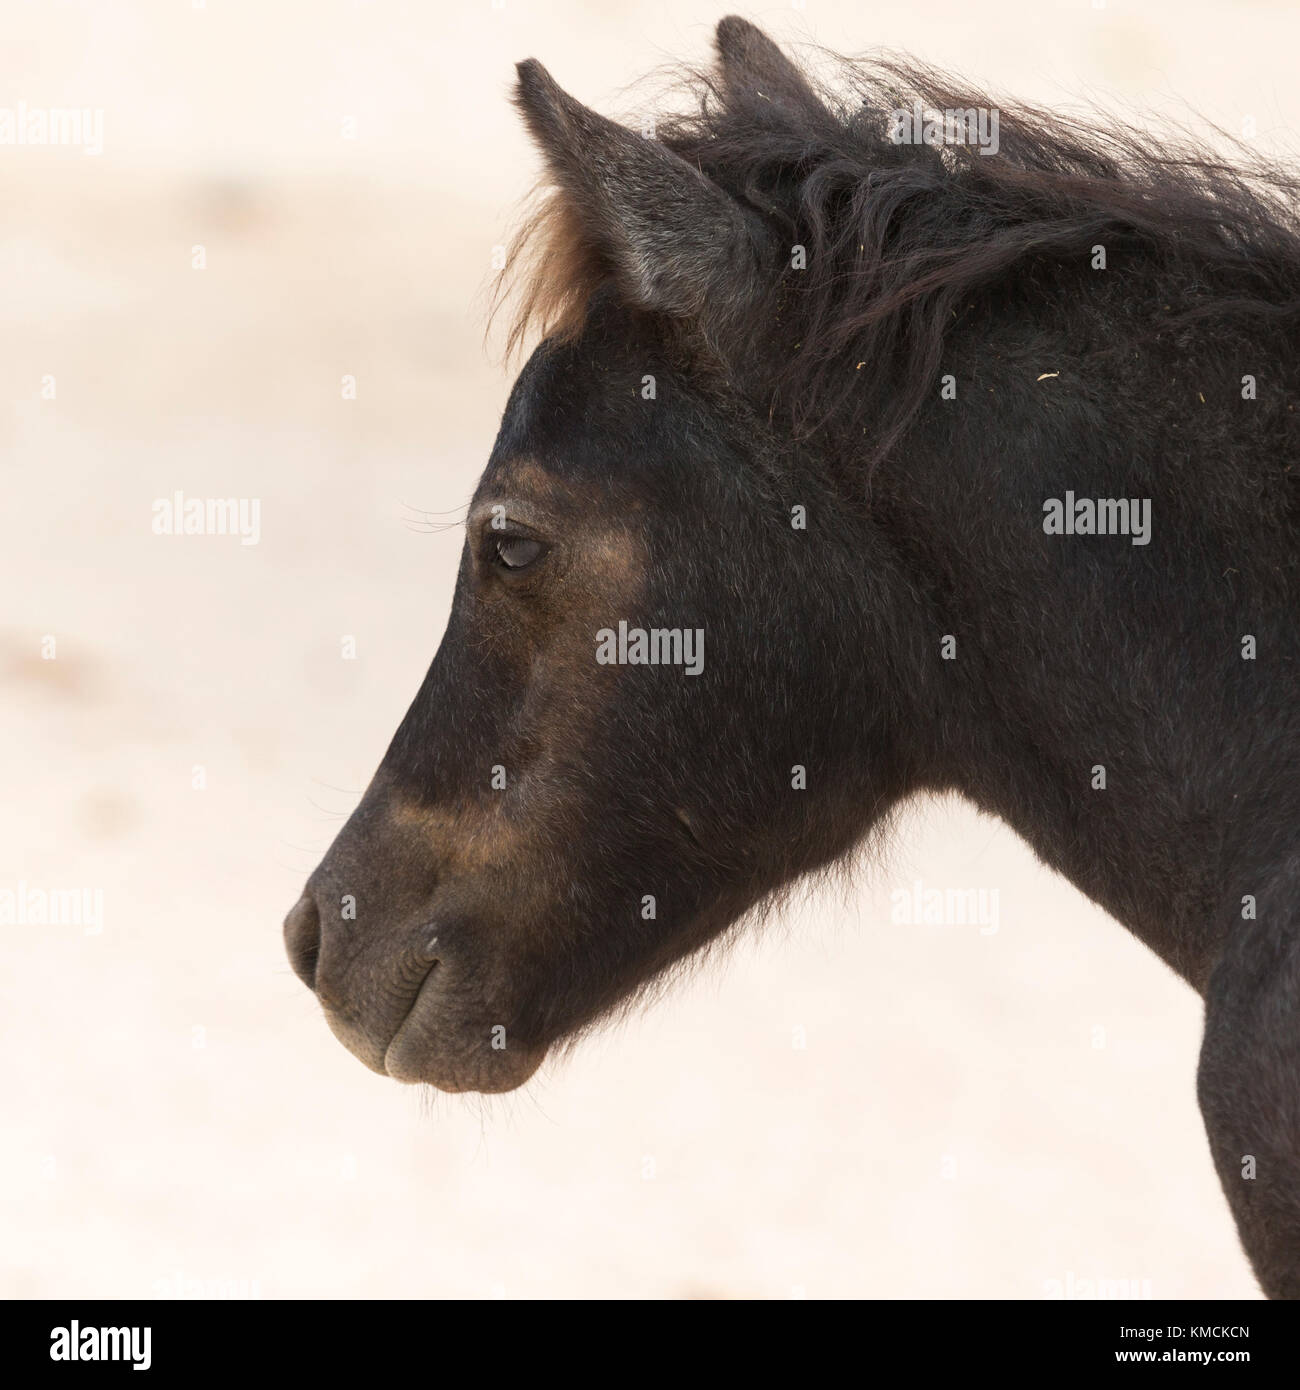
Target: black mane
[{"x": 902, "y": 240}]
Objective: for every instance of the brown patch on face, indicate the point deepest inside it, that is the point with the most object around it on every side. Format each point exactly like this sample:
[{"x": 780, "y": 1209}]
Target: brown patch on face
[
  {"x": 599, "y": 556},
  {"x": 527, "y": 477},
  {"x": 485, "y": 838},
  {"x": 478, "y": 844},
  {"x": 619, "y": 560}
]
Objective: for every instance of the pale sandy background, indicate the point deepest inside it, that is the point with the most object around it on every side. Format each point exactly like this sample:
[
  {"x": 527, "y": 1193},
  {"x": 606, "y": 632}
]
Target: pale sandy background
[{"x": 176, "y": 1116}]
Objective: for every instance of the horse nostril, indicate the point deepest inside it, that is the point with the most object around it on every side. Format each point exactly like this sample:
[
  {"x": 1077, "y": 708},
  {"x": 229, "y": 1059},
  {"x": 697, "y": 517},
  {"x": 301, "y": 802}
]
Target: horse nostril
[{"x": 302, "y": 939}]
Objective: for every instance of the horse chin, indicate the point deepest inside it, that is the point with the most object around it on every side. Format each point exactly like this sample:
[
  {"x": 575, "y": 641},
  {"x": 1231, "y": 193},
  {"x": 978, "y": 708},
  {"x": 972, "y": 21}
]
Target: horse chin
[
  {"x": 435, "y": 1049},
  {"x": 484, "y": 1071},
  {"x": 437, "y": 1040},
  {"x": 447, "y": 1059}
]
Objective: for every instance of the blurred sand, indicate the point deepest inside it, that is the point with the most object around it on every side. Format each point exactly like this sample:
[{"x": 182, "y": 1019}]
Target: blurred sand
[{"x": 178, "y": 1118}]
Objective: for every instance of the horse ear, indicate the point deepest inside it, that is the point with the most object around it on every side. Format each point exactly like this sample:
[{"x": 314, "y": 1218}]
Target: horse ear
[
  {"x": 750, "y": 63},
  {"x": 678, "y": 243}
]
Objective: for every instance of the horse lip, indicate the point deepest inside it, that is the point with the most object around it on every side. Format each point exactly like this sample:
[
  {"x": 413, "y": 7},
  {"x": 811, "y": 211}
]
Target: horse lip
[{"x": 415, "y": 1004}]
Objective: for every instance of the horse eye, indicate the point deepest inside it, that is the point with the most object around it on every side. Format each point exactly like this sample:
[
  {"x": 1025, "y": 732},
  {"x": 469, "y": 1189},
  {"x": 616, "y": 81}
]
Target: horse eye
[{"x": 514, "y": 552}]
